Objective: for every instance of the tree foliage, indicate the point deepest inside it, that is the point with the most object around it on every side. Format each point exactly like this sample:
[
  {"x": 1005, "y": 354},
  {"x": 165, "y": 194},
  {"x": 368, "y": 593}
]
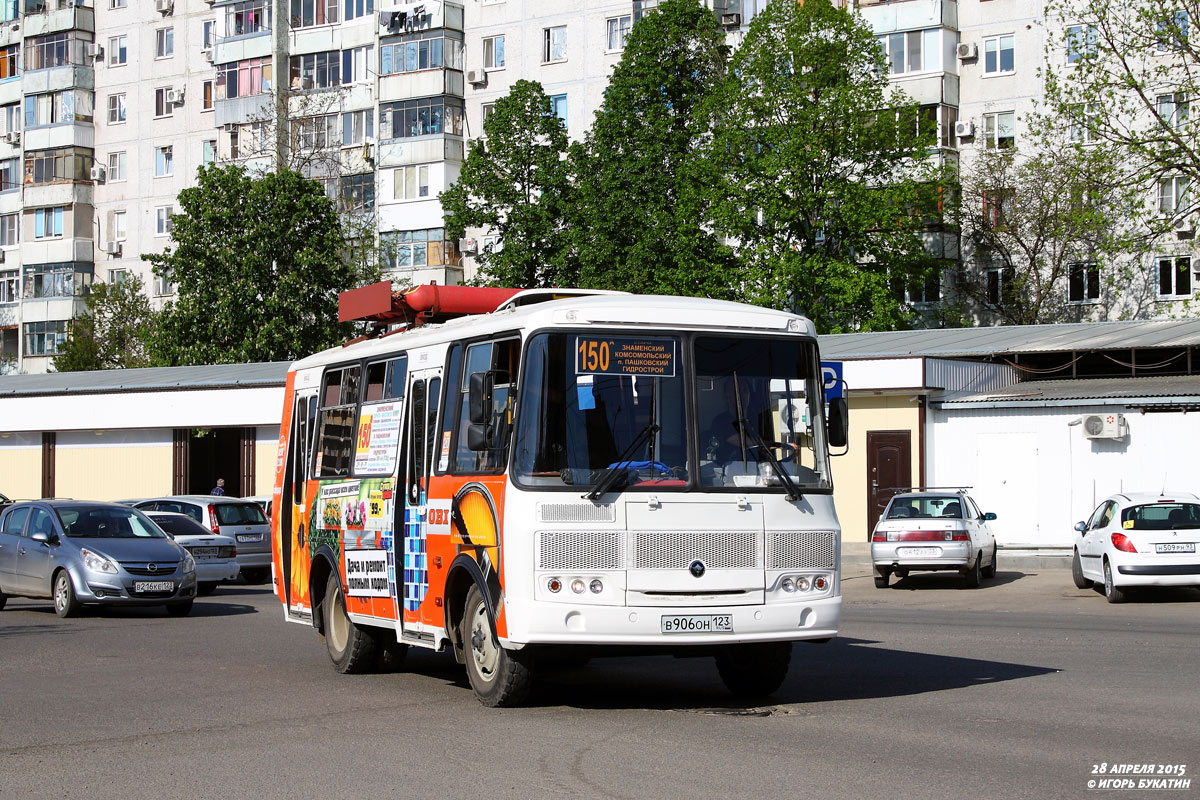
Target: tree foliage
[
  {"x": 641, "y": 220},
  {"x": 112, "y": 332},
  {"x": 823, "y": 174},
  {"x": 258, "y": 263},
  {"x": 515, "y": 182}
]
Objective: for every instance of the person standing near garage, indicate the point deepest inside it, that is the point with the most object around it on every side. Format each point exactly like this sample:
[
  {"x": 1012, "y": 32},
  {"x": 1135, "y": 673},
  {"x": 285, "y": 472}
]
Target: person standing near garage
[{"x": 219, "y": 489}]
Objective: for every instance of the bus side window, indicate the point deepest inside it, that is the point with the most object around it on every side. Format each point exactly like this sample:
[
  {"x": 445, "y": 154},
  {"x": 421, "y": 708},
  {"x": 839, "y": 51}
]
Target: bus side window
[
  {"x": 299, "y": 450},
  {"x": 446, "y": 457},
  {"x": 500, "y": 357},
  {"x": 416, "y": 449},
  {"x": 335, "y": 422},
  {"x": 435, "y": 393}
]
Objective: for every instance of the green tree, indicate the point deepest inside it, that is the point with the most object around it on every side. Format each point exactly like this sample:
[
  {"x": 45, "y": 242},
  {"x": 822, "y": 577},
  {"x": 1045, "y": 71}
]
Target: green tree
[
  {"x": 641, "y": 214},
  {"x": 515, "y": 183},
  {"x": 820, "y": 173},
  {"x": 112, "y": 332},
  {"x": 258, "y": 263}
]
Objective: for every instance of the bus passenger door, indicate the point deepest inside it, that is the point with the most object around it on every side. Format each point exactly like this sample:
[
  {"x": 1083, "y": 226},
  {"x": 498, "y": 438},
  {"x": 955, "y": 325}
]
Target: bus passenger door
[
  {"x": 424, "y": 392},
  {"x": 294, "y": 526}
]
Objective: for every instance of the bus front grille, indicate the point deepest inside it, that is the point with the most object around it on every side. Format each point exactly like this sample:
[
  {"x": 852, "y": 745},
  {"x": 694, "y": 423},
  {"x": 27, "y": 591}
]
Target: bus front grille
[
  {"x": 801, "y": 550},
  {"x": 678, "y": 549},
  {"x": 581, "y": 550}
]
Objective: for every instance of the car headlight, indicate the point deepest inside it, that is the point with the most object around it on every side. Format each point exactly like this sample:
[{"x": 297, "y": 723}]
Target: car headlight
[
  {"x": 97, "y": 563},
  {"x": 188, "y": 564}
]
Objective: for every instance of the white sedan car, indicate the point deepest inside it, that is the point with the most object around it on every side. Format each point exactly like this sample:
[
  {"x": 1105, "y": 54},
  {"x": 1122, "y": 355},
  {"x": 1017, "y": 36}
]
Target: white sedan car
[
  {"x": 1138, "y": 539},
  {"x": 930, "y": 530},
  {"x": 215, "y": 555}
]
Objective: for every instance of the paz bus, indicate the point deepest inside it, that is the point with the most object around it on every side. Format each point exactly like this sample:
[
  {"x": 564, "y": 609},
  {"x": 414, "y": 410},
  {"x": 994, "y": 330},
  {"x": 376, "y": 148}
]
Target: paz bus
[{"x": 521, "y": 474}]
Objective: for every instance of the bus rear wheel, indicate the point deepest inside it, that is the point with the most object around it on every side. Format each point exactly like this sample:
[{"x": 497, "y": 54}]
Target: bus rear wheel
[
  {"x": 351, "y": 648},
  {"x": 499, "y": 677},
  {"x": 754, "y": 670}
]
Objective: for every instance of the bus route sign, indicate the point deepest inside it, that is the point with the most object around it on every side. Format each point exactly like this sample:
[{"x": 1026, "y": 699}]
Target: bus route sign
[{"x": 625, "y": 355}]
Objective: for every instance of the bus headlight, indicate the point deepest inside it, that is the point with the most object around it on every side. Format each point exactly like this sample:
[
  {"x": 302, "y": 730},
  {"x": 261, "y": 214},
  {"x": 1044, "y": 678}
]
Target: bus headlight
[
  {"x": 577, "y": 586},
  {"x": 597, "y": 586},
  {"x": 554, "y": 585}
]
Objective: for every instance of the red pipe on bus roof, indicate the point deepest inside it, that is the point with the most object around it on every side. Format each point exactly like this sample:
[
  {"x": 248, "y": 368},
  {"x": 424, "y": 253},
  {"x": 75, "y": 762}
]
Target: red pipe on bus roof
[{"x": 378, "y": 303}]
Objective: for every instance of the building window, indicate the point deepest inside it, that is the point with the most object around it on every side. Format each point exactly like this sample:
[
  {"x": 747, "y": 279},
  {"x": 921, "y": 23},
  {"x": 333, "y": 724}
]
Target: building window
[
  {"x": 359, "y": 8},
  {"x": 208, "y": 152},
  {"x": 316, "y": 133},
  {"x": 161, "y": 107},
  {"x": 999, "y": 286},
  {"x": 118, "y": 53},
  {"x": 56, "y": 50},
  {"x": 244, "y": 78},
  {"x": 64, "y": 279},
  {"x": 996, "y": 204},
  {"x": 307, "y": 13},
  {"x": 9, "y": 61},
  {"x": 911, "y": 51},
  {"x": 118, "y": 276},
  {"x": 316, "y": 70},
  {"x": 1000, "y": 129},
  {"x": 235, "y": 145},
  {"x": 162, "y": 220},
  {"x": 163, "y": 286},
  {"x": 9, "y": 287},
  {"x": 485, "y": 111},
  {"x": 493, "y": 52},
  {"x": 116, "y": 167},
  {"x": 48, "y": 223},
  {"x": 558, "y": 107},
  {"x": 424, "y": 117},
  {"x": 406, "y": 250},
  {"x": 1173, "y": 195},
  {"x": 1083, "y": 283},
  {"x": 412, "y": 183},
  {"x": 247, "y": 19},
  {"x": 618, "y": 32},
  {"x": 554, "y": 44},
  {"x": 358, "y": 192},
  {"x": 210, "y": 34},
  {"x": 206, "y": 96},
  {"x": 58, "y": 165},
  {"x": 164, "y": 39},
  {"x": 164, "y": 161},
  {"x": 10, "y": 174},
  {"x": 10, "y": 229},
  {"x": 116, "y": 3},
  {"x": 45, "y": 338},
  {"x": 53, "y": 108},
  {"x": 1083, "y": 122},
  {"x": 1081, "y": 43},
  {"x": 116, "y": 108},
  {"x": 998, "y": 55},
  {"x": 1172, "y": 109},
  {"x": 119, "y": 230},
  {"x": 1175, "y": 276},
  {"x": 1172, "y": 31},
  {"x": 355, "y": 64},
  {"x": 418, "y": 51},
  {"x": 11, "y": 117},
  {"x": 358, "y": 126}
]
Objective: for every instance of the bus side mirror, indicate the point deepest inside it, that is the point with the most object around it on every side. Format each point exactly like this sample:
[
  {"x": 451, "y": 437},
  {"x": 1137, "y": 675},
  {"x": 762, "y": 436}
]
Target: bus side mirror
[
  {"x": 838, "y": 422},
  {"x": 479, "y": 398},
  {"x": 479, "y": 437}
]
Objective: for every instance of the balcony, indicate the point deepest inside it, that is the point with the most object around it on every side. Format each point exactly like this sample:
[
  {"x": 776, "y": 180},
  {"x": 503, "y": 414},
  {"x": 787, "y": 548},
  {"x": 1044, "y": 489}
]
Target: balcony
[
  {"x": 243, "y": 110},
  {"x": 54, "y": 16}
]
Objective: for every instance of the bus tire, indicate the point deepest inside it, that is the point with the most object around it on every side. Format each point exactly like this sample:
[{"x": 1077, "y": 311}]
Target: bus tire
[
  {"x": 754, "y": 670},
  {"x": 351, "y": 648},
  {"x": 499, "y": 677}
]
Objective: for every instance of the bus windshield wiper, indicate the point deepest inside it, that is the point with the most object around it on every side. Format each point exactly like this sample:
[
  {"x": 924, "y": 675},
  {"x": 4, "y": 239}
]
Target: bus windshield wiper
[
  {"x": 617, "y": 468},
  {"x": 789, "y": 486}
]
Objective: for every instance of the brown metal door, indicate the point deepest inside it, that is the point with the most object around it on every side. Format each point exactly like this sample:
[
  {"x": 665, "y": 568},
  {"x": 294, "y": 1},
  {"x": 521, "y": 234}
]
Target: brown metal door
[{"x": 889, "y": 470}]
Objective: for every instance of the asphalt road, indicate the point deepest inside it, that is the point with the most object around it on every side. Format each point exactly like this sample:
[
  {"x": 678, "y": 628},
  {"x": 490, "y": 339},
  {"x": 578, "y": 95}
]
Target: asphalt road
[{"x": 1018, "y": 689}]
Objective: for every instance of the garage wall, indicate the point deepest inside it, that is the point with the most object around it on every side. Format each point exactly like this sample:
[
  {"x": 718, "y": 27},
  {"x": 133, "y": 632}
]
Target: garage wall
[
  {"x": 850, "y": 483},
  {"x": 266, "y": 446},
  {"x": 21, "y": 465},
  {"x": 113, "y": 465}
]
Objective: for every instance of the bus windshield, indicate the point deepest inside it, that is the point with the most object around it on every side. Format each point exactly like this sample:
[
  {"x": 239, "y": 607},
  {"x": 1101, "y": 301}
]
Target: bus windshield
[{"x": 612, "y": 409}]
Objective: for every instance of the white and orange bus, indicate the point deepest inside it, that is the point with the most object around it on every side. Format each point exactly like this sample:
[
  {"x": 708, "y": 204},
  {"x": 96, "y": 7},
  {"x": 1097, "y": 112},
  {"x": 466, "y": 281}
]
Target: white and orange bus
[{"x": 549, "y": 471}]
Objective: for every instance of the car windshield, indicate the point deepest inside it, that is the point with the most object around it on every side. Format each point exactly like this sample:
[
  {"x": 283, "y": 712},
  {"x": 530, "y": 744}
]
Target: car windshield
[
  {"x": 612, "y": 410},
  {"x": 926, "y": 507},
  {"x": 1161, "y": 517},
  {"x": 179, "y": 525},
  {"x": 240, "y": 514},
  {"x": 106, "y": 522}
]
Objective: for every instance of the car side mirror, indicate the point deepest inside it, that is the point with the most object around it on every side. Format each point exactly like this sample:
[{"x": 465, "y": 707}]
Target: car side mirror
[
  {"x": 1081, "y": 526},
  {"x": 838, "y": 423},
  {"x": 44, "y": 538},
  {"x": 989, "y": 516}
]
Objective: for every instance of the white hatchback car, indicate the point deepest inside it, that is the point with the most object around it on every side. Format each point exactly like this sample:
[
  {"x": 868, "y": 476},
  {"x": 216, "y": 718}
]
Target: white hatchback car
[
  {"x": 215, "y": 555},
  {"x": 926, "y": 530},
  {"x": 1138, "y": 539}
]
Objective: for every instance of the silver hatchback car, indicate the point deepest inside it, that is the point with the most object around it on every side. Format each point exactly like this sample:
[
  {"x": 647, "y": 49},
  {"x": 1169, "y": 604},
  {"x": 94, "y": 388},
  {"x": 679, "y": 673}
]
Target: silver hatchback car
[
  {"x": 237, "y": 517},
  {"x": 78, "y": 552},
  {"x": 929, "y": 530}
]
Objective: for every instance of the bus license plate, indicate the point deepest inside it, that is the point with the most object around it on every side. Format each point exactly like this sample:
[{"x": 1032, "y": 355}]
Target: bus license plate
[
  {"x": 153, "y": 586},
  {"x": 1175, "y": 547},
  {"x": 697, "y": 623}
]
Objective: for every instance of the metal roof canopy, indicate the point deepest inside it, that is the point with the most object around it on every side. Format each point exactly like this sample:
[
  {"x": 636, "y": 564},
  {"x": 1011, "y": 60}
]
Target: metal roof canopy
[
  {"x": 1160, "y": 393},
  {"x": 148, "y": 379}
]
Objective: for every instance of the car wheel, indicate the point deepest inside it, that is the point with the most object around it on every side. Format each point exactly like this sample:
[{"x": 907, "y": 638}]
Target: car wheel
[
  {"x": 181, "y": 609},
  {"x": 882, "y": 578},
  {"x": 754, "y": 670},
  {"x": 66, "y": 604},
  {"x": 1113, "y": 593},
  {"x": 973, "y": 574},
  {"x": 990, "y": 570},
  {"x": 499, "y": 677},
  {"x": 206, "y": 588},
  {"x": 1077, "y": 572},
  {"x": 3, "y": 599},
  {"x": 351, "y": 648}
]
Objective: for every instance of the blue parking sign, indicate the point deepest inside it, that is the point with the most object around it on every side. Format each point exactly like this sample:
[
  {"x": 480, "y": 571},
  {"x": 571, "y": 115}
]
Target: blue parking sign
[{"x": 831, "y": 374}]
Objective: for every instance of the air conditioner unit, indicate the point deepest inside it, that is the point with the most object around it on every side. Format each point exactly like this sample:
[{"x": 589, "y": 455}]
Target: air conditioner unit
[
  {"x": 1105, "y": 426},
  {"x": 731, "y": 20},
  {"x": 99, "y": 173},
  {"x": 230, "y": 127},
  {"x": 967, "y": 51},
  {"x": 468, "y": 246},
  {"x": 208, "y": 55},
  {"x": 175, "y": 96},
  {"x": 94, "y": 51},
  {"x": 476, "y": 77},
  {"x": 964, "y": 129},
  {"x": 112, "y": 248},
  {"x": 164, "y": 6},
  {"x": 12, "y": 137},
  {"x": 1184, "y": 224}
]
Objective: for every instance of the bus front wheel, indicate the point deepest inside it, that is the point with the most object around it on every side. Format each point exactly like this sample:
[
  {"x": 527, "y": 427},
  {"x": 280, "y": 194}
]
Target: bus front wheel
[
  {"x": 754, "y": 670},
  {"x": 499, "y": 677},
  {"x": 351, "y": 648}
]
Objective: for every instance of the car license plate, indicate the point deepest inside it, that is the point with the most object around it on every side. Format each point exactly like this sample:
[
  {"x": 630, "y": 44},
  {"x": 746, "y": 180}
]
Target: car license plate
[
  {"x": 919, "y": 552},
  {"x": 249, "y": 537},
  {"x": 154, "y": 586},
  {"x": 1175, "y": 547},
  {"x": 697, "y": 623},
  {"x": 206, "y": 552}
]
